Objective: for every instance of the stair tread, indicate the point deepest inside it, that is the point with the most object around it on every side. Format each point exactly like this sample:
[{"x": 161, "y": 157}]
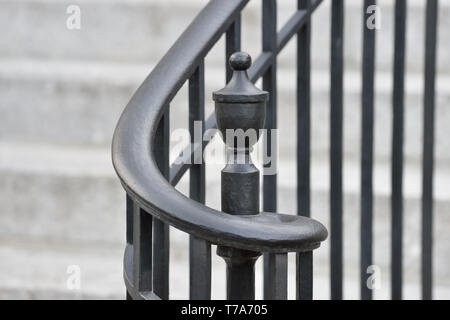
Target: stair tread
[
  {"x": 95, "y": 162},
  {"x": 130, "y": 74},
  {"x": 27, "y": 274}
]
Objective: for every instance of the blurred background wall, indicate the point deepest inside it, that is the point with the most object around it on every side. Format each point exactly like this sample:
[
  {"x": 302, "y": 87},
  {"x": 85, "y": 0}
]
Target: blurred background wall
[{"x": 62, "y": 92}]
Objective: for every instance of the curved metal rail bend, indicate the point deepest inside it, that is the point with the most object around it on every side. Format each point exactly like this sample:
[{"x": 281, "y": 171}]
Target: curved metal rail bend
[{"x": 134, "y": 160}]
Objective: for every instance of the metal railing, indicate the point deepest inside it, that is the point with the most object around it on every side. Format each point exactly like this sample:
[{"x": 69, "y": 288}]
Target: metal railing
[{"x": 140, "y": 153}]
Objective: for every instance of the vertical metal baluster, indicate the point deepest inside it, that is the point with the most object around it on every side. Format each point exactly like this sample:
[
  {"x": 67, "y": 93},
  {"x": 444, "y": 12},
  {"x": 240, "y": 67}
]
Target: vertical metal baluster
[
  {"x": 232, "y": 45},
  {"x": 367, "y": 150},
  {"x": 305, "y": 276},
  {"x": 304, "y": 261},
  {"x": 129, "y": 211},
  {"x": 428, "y": 148},
  {"x": 130, "y": 226},
  {"x": 269, "y": 24},
  {"x": 304, "y": 113},
  {"x": 397, "y": 150},
  {"x": 199, "y": 250},
  {"x": 275, "y": 286},
  {"x": 199, "y": 269},
  {"x": 142, "y": 250},
  {"x": 269, "y": 42},
  {"x": 161, "y": 230},
  {"x": 336, "y": 134},
  {"x": 196, "y": 130}
]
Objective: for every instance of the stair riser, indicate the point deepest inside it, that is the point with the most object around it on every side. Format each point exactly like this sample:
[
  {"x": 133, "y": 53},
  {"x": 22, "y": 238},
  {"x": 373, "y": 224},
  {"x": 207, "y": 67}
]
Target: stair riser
[
  {"x": 84, "y": 112},
  {"x": 61, "y": 208},
  {"x": 90, "y": 210},
  {"x": 144, "y": 31}
]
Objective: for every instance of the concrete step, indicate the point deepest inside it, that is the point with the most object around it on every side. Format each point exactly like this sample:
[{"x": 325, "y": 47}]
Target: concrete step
[
  {"x": 65, "y": 102},
  {"x": 142, "y": 31},
  {"x": 60, "y": 194},
  {"x": 80, "y": 103},
  {"x": 41, "y": 270},
  {"x": 62, "y": 93},
  {"x": 64, "y": 197}
]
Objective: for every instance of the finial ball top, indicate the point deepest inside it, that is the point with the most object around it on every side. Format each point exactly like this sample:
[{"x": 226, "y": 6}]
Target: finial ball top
[{"x": 240, "y": 61}]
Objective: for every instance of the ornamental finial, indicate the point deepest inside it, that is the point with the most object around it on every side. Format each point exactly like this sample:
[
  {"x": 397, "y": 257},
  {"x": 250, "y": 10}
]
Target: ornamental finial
[{"x": 240, "y": 106}]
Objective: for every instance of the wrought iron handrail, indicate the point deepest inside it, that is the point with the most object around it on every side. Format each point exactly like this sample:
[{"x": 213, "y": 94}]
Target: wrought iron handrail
[
  {"x": 134, "y": 161},
  {"x": 140, "y": 158}
]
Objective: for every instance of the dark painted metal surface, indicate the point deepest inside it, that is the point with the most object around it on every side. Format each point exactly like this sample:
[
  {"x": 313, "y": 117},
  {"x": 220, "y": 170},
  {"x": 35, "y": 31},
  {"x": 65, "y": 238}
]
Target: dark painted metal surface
[
  {"x": 303, "y": 113},
  {"x": 295, "y": 23},
  {"x": 199, "y": 269},
  {"x": 259, "y": 67},
  {"x": 161, "y": 230},
  {"x": 240, "y": 274},
  {"x": 304, "y": 278},
  {"x": 269, "y": 44},
  {"x": 336, "y": 145},
  {"x": 428, "y": 147},
  {"x": 269, "y": 41},
  {"x": 397, "y": 150},
  {"x": 130, "y": 214},
  {"x": 232, "y": 45},
  {"x": 304, "y": 262},
  {"x": 134, "y": 162},
  {"x": 132, "y": 292},
  {"x": 240, "y": 106},
  {"x": 242, "y": 233},
  {"x": 142, "y": 250},
  {"x": 199, "y": 250},
  {"x": 368, "y": 97},
  {"x": 276, "y": 283},
  {"x": 197, "y": 117}
]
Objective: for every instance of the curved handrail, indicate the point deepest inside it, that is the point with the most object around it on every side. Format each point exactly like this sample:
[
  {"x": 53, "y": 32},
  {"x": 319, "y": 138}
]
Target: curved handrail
[{"x": 134, "y": 162}]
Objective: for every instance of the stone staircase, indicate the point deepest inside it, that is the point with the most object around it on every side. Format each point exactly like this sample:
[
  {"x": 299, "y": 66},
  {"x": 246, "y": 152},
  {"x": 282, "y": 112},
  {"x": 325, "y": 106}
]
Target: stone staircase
[{"x": 62, "y": 92}]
